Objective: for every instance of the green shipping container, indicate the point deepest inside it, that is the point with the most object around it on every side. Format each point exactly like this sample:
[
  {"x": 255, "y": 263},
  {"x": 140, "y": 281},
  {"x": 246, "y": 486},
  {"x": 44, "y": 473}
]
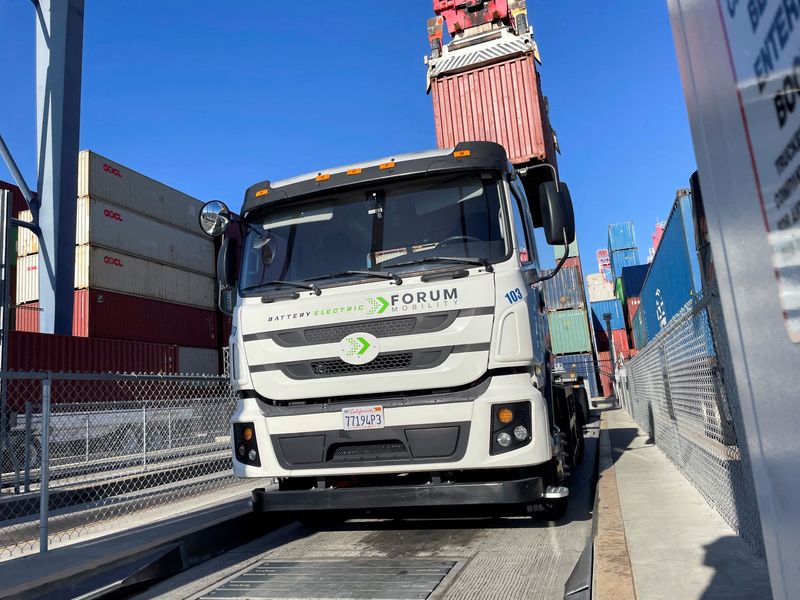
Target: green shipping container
[
  {"x": 618, "y": 292},
  {"x": 569, "y": 331},
  {"x": 558, "y": 251}
]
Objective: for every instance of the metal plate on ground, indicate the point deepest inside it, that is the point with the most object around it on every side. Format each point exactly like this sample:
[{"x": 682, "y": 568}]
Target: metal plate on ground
[{"x": 349, "y": 579}]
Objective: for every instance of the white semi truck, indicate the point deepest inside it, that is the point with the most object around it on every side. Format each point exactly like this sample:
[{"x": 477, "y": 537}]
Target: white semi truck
[{"x": 389, "y": 343}]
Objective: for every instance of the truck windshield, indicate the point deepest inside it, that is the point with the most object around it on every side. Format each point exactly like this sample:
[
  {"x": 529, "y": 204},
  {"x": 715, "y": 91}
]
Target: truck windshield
[{"x": 373, "y": 229}]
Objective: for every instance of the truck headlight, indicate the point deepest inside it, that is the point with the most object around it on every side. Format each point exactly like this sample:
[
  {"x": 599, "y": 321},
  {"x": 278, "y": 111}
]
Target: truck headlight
[
  {"x": 511, "y": 427},
  {"x": 244, "y": 440}
]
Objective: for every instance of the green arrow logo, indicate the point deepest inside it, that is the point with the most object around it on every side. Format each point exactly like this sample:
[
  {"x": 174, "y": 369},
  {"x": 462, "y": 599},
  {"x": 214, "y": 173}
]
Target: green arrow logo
[
  {"x": 364, "y": 345},
  {"x": 377, "y": 305}
]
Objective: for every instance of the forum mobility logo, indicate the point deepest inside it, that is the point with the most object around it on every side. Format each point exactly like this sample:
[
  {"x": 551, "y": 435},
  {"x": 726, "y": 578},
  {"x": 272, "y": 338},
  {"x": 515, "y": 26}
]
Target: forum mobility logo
[{"x": 412, "y": 300}]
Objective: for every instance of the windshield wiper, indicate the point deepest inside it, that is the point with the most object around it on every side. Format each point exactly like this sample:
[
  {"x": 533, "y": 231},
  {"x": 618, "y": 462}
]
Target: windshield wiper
[
  {"x": 379, "y": 274},
  {"x": 298, "y": 284},
  {"x": 481, "y": 262}
]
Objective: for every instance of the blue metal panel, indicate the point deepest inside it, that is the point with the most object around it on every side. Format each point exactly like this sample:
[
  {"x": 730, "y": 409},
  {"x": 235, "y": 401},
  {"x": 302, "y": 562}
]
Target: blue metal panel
[
  {"x": 674, "y": 275},
  {"x": 59, "y": 53},
  {"x": 623, "y": 258},
  {"x": 565, "y": 290},
  {"x": 621, "y": 236},
  {"x": 582, "y": 365},
  {"x": 608, "y": 306},
  {"x": 633, "y": 279}
]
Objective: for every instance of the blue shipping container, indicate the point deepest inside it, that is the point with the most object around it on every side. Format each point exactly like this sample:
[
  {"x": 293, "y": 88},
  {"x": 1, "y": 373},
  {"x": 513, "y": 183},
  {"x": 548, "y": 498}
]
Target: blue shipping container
[
  {"x": 565, "y": 290},
  {"x": 633, "y": 279},
  {"x": 623, "y": 258},
  {"x": 674, "y": 275},
  {"x": 582, "y": 365},
  {"x": 607, "y": 306},
  {"x": 621, "y": 236}
]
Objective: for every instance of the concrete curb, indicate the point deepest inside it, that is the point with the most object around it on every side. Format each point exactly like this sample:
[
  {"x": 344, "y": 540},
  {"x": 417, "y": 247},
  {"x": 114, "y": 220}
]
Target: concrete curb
[{"x": 613, "y": 577}]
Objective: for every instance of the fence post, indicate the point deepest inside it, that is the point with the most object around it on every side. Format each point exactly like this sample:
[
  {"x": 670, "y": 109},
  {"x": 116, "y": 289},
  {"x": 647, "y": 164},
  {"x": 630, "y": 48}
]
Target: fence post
[
  {"x": 144, "y": 436},
  {"x": 44, "y": 496},
  {"x": 28, "y": 436}
]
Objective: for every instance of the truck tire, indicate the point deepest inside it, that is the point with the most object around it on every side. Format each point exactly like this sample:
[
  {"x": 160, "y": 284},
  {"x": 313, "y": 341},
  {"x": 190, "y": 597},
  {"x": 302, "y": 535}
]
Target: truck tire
[{"x": 582, "y": 401}]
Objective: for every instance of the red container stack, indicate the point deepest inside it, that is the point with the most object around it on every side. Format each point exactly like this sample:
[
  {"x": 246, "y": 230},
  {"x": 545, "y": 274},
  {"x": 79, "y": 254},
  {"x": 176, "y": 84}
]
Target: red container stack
[
  {"x": 40, "y": 352},
  {"x": 501, "y": 103},
  {"x": 101, "y": 314}
]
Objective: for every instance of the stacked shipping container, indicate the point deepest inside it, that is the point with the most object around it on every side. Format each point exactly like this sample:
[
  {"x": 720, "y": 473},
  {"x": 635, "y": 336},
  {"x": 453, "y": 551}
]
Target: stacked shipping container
[
  {"x": 568, "y": 320},
  {"x": 674, "y": 275},
  {"x": 143, "y": 269}
]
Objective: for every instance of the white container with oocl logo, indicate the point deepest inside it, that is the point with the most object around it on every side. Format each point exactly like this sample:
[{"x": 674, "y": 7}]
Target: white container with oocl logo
[
  {"x": 102, "y": 223},
  {"x": 100, "y": 268}
]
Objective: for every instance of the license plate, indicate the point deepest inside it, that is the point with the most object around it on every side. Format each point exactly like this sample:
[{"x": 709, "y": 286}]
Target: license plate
[{"x": 363, "y": 417}]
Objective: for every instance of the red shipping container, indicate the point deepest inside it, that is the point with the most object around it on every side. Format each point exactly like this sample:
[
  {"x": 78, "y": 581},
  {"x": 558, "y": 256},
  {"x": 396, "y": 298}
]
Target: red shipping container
[
  {"x": 109, "y": 315},
  {"x": 18, "y": 203},
  {"x": 606, "y": 370},
  {"x": 631, "y": 306},
  {"x": 620, "y": 337},
  {"x": 43, "y": 352},
  {"x": 501, "y": 103}
]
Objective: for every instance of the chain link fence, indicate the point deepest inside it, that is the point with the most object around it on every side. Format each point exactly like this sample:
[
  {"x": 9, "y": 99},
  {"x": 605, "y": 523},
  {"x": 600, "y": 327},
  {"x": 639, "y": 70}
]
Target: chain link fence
[
  {"x": 680, "y": 391},
  {"x": 107, "y": 447}
]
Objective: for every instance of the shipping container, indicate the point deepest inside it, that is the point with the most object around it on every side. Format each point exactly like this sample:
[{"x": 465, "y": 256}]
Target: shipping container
[
  {"x": 603, "y": 259},
  {"x": 623, "y": 258},
  {"x": 618, "y": 294},
  {"x": 569, "y": 331},
  {"x": 614, "y": 307},
  {"x": 102, "y": 314},
  {"x": 601, "y": 290},
  {"x": 633, "y": 279},
  {"x": 582, "y": 365},
  {"x": 198, "y": 361},
  {"x": 639, "y": 330},
  {"x": 631, "y": 306},
  {"x": 558, "y": 251},
  {"x": 100, "y": 223},
  {"x": 658, "y": 234},
  {"x": 608, "y": 274},
  {"x": 564, "y": 291},
  {"x": 102, "y": 178},
  {"x": 501, "y": 103},
  {"x": 575, "y": 263},
  {"x": 18, "y": 203},
  {"x": 42, "y": 352},
  {"x": 621, "y": 236},
  {"x": 595, "y": 279},
  {"x": 674, "y": 276},
  {"x": 605, "y": 368},
  {"x": 98, "y": 268},
  {"x": 620, "y": 337}
]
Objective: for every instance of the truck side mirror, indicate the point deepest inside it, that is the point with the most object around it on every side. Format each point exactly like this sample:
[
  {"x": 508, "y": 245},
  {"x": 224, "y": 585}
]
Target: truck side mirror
[
  {"x": 557, "y": 217},
  {"x": 214, "y": 218},
  {"x": 226, "y": 264}
]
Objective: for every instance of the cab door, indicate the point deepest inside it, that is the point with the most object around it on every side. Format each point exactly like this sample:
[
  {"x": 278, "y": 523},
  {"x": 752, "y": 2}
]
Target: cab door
[{"x": 529, "y": 265}]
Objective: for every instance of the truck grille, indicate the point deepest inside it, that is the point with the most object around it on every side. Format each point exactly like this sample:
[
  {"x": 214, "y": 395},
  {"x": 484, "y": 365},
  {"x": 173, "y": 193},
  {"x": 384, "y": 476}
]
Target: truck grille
[
  {"x": 368, "y": 451},
  {"x": 384, "y": 328},
  {"x": 384, "y": 362}
]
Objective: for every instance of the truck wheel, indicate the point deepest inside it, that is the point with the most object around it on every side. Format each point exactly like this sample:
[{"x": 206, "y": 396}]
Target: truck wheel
[
  {"x": 580, "y": 445},
  {"x": 582, "y": 402}
]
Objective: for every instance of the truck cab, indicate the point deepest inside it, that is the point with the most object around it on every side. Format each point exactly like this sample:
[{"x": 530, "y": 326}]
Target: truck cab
[{"x": 389, "y": 343}]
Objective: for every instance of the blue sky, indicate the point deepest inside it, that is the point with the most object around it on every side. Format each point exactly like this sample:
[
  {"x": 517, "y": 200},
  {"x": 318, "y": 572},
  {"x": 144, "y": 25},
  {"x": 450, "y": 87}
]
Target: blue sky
[{"x": 210, "y": 97}]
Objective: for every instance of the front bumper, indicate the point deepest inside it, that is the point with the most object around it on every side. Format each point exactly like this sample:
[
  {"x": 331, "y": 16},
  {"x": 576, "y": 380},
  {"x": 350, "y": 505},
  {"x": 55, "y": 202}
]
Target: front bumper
[
  {"x": 470, "y": 417},
  {"x": 519, "y": 491}
]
